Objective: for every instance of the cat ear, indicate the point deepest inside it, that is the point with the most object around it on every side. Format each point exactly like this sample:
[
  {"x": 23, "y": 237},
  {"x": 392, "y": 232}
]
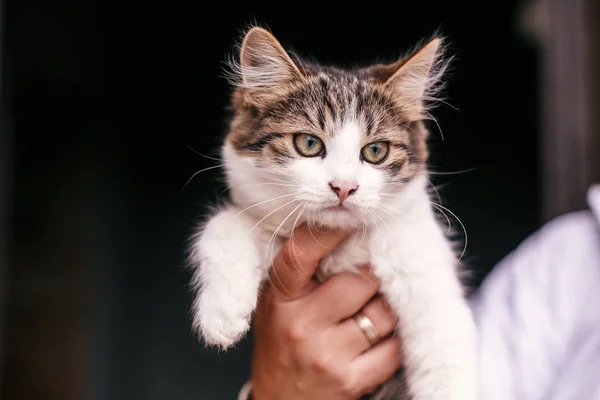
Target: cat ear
[
  {"x": 417, "y": 78},
  {"x": 265, "y": 67}
]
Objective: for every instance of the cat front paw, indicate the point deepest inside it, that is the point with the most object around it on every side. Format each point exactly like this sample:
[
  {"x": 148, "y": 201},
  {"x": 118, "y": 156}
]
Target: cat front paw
[
  {"x": 224, "y": 332},
  {"x": 221, "y": 322}
]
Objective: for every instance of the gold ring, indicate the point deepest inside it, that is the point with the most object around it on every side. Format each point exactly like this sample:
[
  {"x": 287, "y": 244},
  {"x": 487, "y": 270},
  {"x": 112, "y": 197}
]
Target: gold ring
[{"x": 366, "y": 326}]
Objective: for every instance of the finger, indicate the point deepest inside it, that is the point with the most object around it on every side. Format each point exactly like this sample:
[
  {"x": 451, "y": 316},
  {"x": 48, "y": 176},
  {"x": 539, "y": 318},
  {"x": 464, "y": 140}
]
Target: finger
[
  {"x": 342, "y": 295},
  {"x": 377, "y": 365},
  {"x": 295, "y": 265},
  {"x": 381, "y": 316}
]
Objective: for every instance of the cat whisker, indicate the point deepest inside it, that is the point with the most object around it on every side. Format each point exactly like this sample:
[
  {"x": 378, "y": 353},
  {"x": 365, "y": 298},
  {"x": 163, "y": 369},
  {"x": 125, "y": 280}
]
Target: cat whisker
[
  {"x": 437, "y": 194},
  {"x": 447, "y": 220},
  {"x": 271, "y": 243},
  {"x": 292, "y": 235},
  {"x": 392, "y": 209},
  {"x": 435, "y": 120},
  {"x": 265, "y": 201},
  {"x": 461, "y": 224},
  {"x": 363, "y": 224},
  {"x": 264, "y": 184},
  {"x": 281, "y": 177},
  {"x": 273, "y": 183},
  {"x": 388, "y": 209},
  {"x": 199, "y": 172},
  {"x": 392, "y": 213},
  {"x": 375, "y": 222},
  {"x": 310, "y": 223},
  {"x": 315, "y": 239},
  {"x": 388, "y": 212},
  {"x": 204, "y": 155},
  {"x": 273, "y": 212},
  {"x": 439, "y": 100},
  {"x": 381, "y": 219},
  {"x": 225, "y": 163},
  {"x": 449, "y": 230},
  {"x": 304, "y": 204},
  {"x": 452, "y": 172}
]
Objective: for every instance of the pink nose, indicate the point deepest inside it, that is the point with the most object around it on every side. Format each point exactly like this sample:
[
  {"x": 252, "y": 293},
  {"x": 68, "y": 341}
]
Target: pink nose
[{"x": 343, "y": 189}]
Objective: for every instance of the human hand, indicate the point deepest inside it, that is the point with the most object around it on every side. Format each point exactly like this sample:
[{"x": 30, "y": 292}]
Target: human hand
[{"x": 307, "y": 344}]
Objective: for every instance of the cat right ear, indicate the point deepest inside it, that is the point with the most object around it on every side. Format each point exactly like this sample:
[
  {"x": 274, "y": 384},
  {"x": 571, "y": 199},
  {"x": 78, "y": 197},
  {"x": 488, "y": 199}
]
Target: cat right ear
[{"x": 265, "y": 67}]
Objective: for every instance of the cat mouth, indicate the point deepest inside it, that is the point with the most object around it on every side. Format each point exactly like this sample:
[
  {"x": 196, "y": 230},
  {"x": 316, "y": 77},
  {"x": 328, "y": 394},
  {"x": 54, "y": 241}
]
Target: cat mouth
[{"x": 337, "y": 208}]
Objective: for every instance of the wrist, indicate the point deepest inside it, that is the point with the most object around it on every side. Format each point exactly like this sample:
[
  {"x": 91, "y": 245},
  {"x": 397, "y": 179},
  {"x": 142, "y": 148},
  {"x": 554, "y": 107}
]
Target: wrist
[{"x": 246, "y": 392}]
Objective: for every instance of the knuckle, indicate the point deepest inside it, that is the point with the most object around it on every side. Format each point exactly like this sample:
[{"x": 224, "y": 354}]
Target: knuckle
[
  {"x": 321, "y": 362},
  {"x": 325, "y": 364},
  {"x": 296, "y": 332},
  {"x": 350, "y": 387}
]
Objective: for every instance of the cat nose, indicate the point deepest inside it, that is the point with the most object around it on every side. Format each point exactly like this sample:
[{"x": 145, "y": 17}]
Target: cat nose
[{"x": 343, "y": 189}]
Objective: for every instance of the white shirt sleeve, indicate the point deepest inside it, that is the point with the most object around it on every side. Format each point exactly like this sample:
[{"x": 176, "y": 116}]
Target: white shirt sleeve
[{"x": 538, "y": 314}]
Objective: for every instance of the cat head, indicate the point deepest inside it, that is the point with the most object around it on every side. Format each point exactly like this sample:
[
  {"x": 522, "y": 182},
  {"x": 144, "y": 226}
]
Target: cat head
[{"x": 334, "y": 145}]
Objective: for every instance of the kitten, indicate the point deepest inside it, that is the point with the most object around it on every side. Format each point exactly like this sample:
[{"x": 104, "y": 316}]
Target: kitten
[{"x": 305, "y": 139}]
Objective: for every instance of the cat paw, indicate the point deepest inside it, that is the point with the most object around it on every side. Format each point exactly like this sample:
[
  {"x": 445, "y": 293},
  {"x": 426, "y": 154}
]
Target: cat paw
[
  {"x": 224, "y": 332},
  {"x": 221, "y": 324}
]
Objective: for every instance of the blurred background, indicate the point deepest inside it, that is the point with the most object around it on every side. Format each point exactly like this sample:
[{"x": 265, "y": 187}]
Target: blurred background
[{"x": 102, "y": 102}]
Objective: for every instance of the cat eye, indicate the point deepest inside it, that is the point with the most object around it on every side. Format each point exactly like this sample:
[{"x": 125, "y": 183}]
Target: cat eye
[
  {"x": 375, "y": 153},
  {"x": 308, "y": 145}
]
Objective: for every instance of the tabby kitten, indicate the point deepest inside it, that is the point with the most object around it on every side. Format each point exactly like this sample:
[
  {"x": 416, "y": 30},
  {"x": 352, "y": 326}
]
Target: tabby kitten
[{"x": 338, "y": 148}]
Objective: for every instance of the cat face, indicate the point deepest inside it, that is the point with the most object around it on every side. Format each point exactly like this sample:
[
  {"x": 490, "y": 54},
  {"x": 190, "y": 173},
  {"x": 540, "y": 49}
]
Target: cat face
[{"x": 335, "y": 146}]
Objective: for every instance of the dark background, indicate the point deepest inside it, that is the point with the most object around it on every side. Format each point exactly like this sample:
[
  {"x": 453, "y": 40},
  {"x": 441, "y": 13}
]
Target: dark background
[{"x": 101, "y": 99}]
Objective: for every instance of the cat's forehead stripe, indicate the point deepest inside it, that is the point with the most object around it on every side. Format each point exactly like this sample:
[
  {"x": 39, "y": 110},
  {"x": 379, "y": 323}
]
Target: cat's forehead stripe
[{"x": 322, "y": 104}]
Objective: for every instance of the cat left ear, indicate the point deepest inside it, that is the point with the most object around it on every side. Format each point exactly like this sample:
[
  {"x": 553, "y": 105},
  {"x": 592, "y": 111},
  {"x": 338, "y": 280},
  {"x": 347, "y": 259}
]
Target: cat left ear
[
  {"x": 265, "y": 66},
  {"x": 417, "y": 79}
]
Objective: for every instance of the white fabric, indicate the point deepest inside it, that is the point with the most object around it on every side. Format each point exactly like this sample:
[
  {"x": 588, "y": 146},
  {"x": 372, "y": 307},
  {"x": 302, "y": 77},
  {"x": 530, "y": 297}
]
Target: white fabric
[{"x": 538, "y": 315}]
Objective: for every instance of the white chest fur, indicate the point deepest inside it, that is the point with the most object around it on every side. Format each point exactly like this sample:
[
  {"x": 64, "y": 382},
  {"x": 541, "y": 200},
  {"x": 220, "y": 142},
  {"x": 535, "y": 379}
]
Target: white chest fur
[{"x": 408, "y": 253}]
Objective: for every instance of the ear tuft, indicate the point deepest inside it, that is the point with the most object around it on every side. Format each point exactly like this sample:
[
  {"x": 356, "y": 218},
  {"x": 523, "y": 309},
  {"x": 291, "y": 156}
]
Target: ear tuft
[
  {"x": 418, "y": 78},
  {"x": 264, "y": 66}
]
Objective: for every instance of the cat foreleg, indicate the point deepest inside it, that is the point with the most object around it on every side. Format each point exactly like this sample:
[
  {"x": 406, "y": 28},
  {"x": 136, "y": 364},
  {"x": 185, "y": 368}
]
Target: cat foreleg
[
  {"x": 436, "y": 327},
  {"x": 227, "y": 275},
  {"x": 438, "y": 340}
]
